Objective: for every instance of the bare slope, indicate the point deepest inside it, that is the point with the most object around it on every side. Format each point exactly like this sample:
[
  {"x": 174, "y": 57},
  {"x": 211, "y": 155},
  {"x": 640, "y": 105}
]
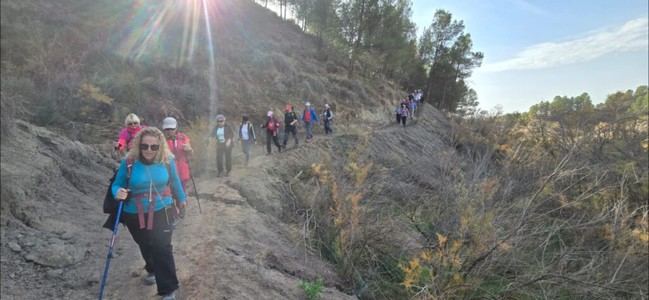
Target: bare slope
[{"x": 63, "y": 60}]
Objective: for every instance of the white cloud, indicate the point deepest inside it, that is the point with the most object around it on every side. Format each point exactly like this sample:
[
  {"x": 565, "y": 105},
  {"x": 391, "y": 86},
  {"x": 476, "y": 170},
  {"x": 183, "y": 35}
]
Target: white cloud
[{"x": 632, "y": 36}]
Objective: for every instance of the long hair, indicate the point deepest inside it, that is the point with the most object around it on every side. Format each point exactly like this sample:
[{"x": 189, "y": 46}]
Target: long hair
[{"x": 163, "y": 155}]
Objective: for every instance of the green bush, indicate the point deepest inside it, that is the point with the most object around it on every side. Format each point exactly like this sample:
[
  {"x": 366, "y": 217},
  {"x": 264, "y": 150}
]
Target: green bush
[{"x": 313, "y": 289}]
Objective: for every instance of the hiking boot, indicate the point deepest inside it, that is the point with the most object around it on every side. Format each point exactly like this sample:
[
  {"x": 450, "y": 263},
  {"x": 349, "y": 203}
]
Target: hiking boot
[
  {"x": 149, "y": 279},
  {"x": 170, "y": 296},
  {"x": 227, "y": 173}
]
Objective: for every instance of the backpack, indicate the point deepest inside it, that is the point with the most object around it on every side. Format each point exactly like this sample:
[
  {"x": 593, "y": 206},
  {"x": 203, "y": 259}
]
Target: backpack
[
  {"x": 110, "y": 205},
  {"x": 307, "y": 115}
]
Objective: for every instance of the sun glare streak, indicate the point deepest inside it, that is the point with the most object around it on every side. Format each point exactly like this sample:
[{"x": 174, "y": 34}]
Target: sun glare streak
[
  {"x": 185, "y": 38},
  {"x": 195, "y": 24},
  {"x": 143, "y": 29},
  {"x": 212, "y": 66},
  {"x": 154, "y": 30}
]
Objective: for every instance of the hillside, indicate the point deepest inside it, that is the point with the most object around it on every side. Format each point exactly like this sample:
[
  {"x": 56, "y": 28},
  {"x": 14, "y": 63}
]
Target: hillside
[{"x": 80, "y": 68}]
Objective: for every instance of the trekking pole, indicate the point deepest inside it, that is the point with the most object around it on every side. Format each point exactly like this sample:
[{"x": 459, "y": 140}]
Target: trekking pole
[
  {"x": 110, "y": 250},
  {"x": 198, "y": 200}
]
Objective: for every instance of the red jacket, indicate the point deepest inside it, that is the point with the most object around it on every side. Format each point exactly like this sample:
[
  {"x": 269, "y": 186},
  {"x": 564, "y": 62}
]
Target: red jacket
[
  {"x": 269, "y": 129},
  {"x": 176, "y": 147}
]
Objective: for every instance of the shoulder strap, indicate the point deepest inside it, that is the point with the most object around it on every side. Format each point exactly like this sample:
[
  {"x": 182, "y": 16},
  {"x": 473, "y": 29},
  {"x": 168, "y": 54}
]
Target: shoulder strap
[
  {"x": 129, "y": 168},
  {"x": 168, "y": 172}
]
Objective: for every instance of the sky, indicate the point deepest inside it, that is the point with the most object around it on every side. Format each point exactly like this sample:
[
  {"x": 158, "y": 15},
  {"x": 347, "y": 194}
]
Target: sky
[{"x": 535, "y": 50}]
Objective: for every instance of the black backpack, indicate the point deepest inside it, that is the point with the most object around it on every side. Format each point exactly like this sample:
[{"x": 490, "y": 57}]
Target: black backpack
[{"x": 110, "y": 205}]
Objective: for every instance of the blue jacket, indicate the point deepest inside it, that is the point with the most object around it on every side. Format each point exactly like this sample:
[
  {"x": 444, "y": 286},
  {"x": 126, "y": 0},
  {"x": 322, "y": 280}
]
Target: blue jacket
[
  {"x": 141, "y": 177},
  {"x": 314, "y": 115}
]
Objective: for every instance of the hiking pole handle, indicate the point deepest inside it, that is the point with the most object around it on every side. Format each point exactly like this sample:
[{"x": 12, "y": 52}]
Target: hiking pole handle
[{"x": 110, "y": 249}]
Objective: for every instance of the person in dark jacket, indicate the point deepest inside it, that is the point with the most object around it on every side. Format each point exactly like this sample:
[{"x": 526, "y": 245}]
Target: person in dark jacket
[
  {"x": 290, "y": 124},
  {"x": 223, "y": 135},
  {"x": 328, "y": 117},
  {"x": 247, "y": 136},
  {"x": 404, "y": 113},
  {"x": 272, "y": 128}
]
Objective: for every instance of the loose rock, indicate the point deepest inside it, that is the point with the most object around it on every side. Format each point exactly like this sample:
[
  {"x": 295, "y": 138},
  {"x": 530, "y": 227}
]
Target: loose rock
[{"x": 15, "y": 247}]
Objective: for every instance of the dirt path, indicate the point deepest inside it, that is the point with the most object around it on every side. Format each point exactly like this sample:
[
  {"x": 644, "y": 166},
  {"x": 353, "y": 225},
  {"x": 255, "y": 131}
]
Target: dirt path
[{"x": 229, "y": 251}]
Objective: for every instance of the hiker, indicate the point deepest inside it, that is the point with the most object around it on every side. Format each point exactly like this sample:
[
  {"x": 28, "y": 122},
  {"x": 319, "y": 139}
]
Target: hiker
[
  {"x": 420, "y": 97},
  {"x": 290, "y": 124},
  {"x": 327, "y": 116},
  {"x": 404, "y": 113},
  {"x": 180, "y": 147},
  {"x": 309, "y": 116},
  {"x": 272, "y": 128},
  {"x": 413, "y": 108},
  {"x": 223, "y": 135},
  {"x": 149, "y": 212},
  {"x": 247, "y": 136},
  {"x": 132, "y": 127}
]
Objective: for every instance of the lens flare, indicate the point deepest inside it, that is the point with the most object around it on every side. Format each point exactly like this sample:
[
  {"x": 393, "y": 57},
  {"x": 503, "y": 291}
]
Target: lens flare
[{"x": 169, "y": 31}]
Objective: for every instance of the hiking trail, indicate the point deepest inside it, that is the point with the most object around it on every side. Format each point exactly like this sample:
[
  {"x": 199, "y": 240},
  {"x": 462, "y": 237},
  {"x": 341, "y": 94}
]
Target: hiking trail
[{"x": 229, "y": 251}]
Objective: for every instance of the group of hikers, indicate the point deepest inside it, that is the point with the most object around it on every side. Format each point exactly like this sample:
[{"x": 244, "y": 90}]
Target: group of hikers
[
  {"x": 151, "y": 181},
  {"x": 407, "y": 106},
  {"x": 224, "y": 135}
]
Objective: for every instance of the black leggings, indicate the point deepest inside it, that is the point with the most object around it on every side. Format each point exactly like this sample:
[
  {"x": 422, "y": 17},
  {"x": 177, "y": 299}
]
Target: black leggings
[
  {"x": 403, "y": 120},
  {"x": 270, "y": 136},
  {"x": 287, "y": 130},
  {"x": 156, "y": 249}
]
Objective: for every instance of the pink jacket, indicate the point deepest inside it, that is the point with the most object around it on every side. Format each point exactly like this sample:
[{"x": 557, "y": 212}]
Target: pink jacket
[{"x": 125, "y": 137}]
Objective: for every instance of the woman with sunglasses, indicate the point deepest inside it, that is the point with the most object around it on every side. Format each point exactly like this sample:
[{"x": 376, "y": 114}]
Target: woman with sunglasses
[
  {"x": 149, "y": 210},
  {"x": 132, "y": 127}
]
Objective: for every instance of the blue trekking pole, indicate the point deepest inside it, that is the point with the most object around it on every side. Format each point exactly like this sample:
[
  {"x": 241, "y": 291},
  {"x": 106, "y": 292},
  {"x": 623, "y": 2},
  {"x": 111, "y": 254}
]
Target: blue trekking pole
[{"x": 110, "y": 250}]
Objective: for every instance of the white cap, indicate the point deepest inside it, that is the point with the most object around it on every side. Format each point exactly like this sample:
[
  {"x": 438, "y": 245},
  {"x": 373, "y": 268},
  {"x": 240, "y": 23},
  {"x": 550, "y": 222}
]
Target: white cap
[
  {"x": 327, "y": 105},
  {"x": 270, "y": 113},
  {"x": 169, "y": 122},
  {"x": 307, "y": 103}
]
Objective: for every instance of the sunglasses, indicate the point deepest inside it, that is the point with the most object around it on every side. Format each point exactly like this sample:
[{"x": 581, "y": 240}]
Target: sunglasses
[
  {"x": 132, "y": 123},
  {"x": 220, "y": 121},
  {"x": 147, "y": 147},
  {"x": 169, "y": 129}
]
